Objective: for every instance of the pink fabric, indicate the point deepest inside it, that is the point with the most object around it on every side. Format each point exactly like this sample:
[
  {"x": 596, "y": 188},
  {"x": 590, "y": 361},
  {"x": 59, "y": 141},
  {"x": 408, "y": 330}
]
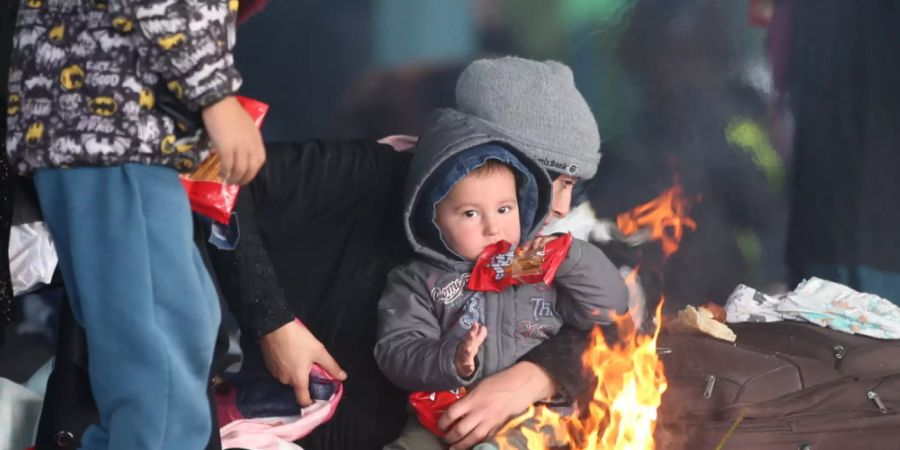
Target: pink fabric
[
  {"x": 247, "y": 8},
  {"x": 272, "y": 433},
  {"x": 400, "y": 142},
  {"x": 226, "y": 406}
]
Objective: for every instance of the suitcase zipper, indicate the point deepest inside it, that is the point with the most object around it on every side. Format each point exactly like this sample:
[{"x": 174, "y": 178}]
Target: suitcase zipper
[
  {"x": 710, "y": 384},
  {"x": 875, "y": 398}
]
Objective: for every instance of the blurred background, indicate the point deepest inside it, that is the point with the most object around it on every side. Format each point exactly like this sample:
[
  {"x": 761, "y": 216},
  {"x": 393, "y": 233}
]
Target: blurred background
[{"x": 680, "y": 88}]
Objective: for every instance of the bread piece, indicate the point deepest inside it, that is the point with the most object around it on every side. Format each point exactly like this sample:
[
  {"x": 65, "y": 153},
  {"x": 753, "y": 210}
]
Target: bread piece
[{"x": 700, "y": 320}]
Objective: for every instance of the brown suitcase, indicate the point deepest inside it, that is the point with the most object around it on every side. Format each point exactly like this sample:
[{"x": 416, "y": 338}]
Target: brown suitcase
[{"x": 780, "y": 386}]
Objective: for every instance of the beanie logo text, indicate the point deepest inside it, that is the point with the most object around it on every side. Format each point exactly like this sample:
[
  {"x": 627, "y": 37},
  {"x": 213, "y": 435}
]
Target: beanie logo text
[{"x": 553, "y": 164}]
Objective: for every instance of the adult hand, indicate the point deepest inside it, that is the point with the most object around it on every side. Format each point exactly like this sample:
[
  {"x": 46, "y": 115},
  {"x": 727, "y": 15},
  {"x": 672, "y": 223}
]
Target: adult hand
[
  {"x": 290, "y": 352},
  {"x": 536, "y": 244},
  {"x": 493, "y": 401},
  {"x": 236, "y": 138}
]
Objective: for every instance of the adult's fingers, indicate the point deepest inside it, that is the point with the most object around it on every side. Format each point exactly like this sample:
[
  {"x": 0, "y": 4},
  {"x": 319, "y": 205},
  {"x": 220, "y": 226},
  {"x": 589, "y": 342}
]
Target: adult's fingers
[
  {"x": 331, "y": 366},
  {"x": 460, "y": 429},
  {"x": 301, "y": 389},
  {"x": 452, "y": 414},
  {"x": 470, "y": 429},
  {"x": 481, "y": 433}
]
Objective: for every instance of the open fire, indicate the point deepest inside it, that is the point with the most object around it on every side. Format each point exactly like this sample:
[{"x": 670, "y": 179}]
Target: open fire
[
  {"x": 665, "y": 216},
  {"x": 622, "y": 411}
]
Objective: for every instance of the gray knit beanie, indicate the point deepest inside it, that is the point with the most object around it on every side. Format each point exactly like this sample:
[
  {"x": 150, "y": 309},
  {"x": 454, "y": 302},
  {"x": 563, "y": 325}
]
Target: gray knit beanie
[{"x": 537, "y": 103}]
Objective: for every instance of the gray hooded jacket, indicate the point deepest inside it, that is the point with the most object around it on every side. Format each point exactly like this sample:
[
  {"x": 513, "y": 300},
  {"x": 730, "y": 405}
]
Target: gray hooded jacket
[{"x": 426, "y": 310}]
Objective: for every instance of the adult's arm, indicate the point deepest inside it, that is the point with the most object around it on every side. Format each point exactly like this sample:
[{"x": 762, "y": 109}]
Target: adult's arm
[
  {"x": 590, "y": 289},
  {"x": 297, "y": 182}
]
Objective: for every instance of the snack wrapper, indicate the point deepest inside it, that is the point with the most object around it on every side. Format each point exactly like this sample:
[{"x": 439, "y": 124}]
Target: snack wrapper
[
  {"x": 429, "y": 406},
  {"x": 208, "y": 193},
  {"x": 500, "y": 266}
]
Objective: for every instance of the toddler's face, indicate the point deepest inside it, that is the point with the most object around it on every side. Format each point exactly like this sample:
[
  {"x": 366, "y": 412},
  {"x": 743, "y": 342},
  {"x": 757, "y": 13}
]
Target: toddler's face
[{"x": 480, "y": 210}]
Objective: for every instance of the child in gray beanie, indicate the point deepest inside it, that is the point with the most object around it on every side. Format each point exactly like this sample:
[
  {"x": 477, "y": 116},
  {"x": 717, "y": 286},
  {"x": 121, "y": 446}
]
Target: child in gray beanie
[{"x": 431, "y": 326}]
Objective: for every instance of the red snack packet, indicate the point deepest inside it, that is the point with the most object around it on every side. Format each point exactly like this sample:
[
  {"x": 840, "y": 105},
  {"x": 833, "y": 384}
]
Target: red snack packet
[
  {"x": 206, "y": 190},
  {"x": 429, "y": 406},
  {"x": 499, "y": 266}
]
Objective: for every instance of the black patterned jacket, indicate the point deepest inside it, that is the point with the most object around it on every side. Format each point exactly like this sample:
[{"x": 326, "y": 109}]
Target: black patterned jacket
[{"x": 85, "y": 79}]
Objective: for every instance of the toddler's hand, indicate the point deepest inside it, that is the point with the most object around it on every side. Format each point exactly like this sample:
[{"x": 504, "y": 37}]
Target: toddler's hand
[
  {"x": 468, "y": 350},
  {"x": 535, "y": 244},
  {"x": 236, "y": 138}
]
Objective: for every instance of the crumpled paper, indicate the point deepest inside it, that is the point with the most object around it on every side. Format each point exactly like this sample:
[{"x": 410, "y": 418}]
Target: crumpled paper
[{"x": 821, "y": 302}]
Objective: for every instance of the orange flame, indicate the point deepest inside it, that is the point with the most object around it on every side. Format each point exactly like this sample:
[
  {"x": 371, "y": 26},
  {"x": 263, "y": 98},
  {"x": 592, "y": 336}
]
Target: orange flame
[
  {"x": 623, "y": 409},
  {"x": 666, "y": 216},
  {"x": 622, "y": 412}
]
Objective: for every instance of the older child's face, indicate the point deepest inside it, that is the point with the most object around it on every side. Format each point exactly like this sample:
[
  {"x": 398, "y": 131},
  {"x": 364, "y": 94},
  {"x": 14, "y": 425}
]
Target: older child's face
[
  {"x": 561, "y": 200},
  {"x": 480, "y": 210}
]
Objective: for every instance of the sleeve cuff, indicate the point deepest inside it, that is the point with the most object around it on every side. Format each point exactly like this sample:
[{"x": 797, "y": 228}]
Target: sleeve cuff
[
  {"x": 448, "y": 355},
  {"x": 208, "y": 90},
  {"x": 273, "y": 321}
]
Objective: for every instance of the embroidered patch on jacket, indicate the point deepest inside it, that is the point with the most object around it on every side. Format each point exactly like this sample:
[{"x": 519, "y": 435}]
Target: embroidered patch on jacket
[
  {"x": 533, "y": 330},
  {"x": 541, "y": 308},
  {"x": 471, "y": 313},
  {"x": 450, "y": 292}
]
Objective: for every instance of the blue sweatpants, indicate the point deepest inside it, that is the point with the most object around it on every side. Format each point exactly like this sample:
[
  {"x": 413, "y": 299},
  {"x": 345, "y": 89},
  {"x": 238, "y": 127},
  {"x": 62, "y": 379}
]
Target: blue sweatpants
[{"x": 137, "y": 285}]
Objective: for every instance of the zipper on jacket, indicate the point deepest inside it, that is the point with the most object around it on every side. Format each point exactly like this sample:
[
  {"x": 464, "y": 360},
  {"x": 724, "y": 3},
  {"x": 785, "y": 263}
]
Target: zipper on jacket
[
  {"x": 500, "y": 320},
  {"x": 877, "y": 399},
  {"x": 710, "y": 384}
]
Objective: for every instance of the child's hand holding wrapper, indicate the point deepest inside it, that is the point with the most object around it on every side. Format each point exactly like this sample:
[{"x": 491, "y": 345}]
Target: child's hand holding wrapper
[
  {"x": 207, "y": 190},
  {"x": 498, "y": 267}
]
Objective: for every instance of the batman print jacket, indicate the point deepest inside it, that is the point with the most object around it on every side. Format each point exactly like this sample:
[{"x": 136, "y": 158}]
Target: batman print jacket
[{"x": 86, "y": 75}]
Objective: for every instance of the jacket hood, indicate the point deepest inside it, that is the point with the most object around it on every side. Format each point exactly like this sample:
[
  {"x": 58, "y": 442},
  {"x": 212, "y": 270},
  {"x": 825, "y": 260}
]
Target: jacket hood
[{"x": 447, "y": 133}]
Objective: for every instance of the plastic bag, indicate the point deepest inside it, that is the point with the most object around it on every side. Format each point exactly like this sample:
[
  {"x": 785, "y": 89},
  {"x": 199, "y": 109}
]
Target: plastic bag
[
  {"x": 20, "y": 410},
  {"x": 429, "y": 406},
  {"x": 499, "y": 266},
  {"x": 32, "y": 256},
  {"x": 208, "y": 193}
]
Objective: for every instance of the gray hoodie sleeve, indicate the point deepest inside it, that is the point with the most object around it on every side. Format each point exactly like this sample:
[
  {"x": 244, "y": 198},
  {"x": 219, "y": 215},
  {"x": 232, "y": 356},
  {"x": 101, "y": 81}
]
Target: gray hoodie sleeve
[
  {"x": 411, "y": 349},
  {"x": 589, "y": 287}
]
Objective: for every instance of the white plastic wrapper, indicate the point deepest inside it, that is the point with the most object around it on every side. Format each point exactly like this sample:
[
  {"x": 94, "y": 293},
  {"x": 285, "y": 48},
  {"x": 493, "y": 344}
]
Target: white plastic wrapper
[
  {"x": 19, "y": 412},
  {"x": 581, "y": 222},
  {"x": 749, "y": 305},
  {"x": 32, "y": 256},
  {"x": 821, "y": 302}
]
